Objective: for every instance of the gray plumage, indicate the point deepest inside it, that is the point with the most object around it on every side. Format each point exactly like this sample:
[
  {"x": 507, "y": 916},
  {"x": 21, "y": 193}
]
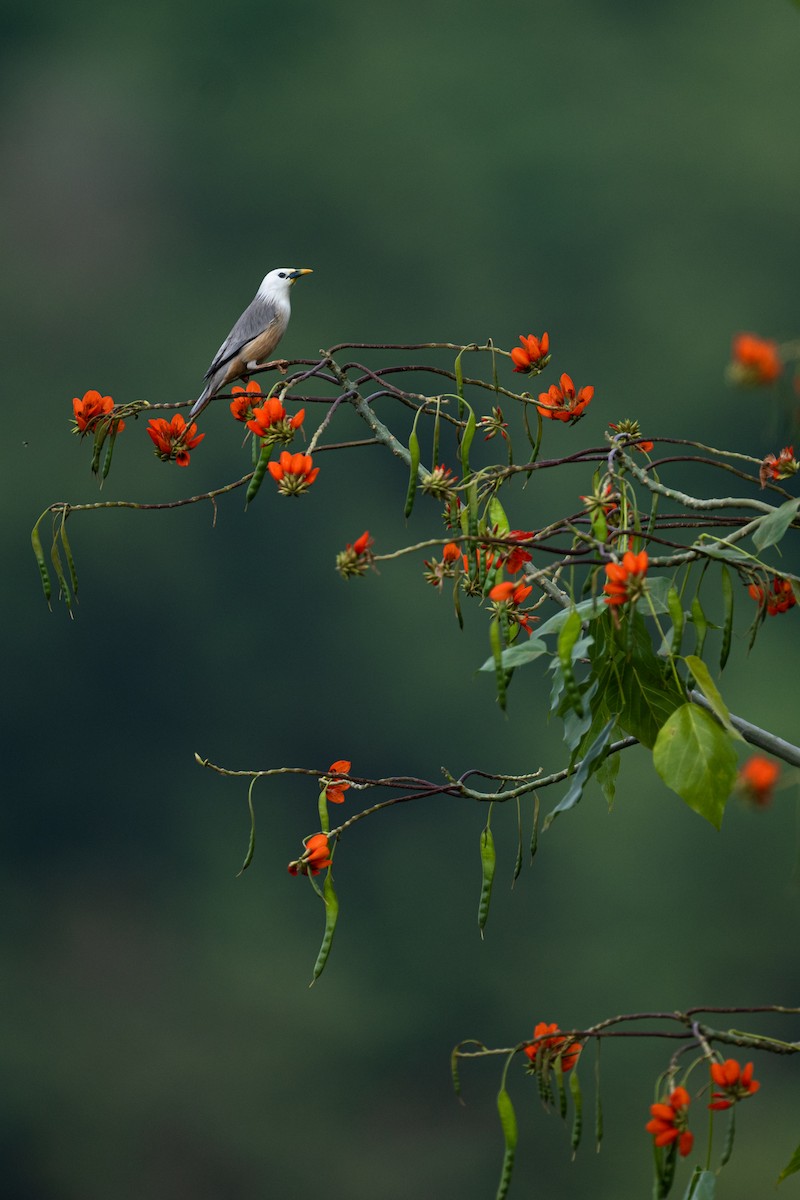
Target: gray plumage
[{"x": 254, "y": 336}]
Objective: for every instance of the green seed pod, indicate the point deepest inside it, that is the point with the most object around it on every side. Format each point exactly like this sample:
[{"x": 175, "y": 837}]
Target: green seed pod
[
  {"x": 730, "y": 1134},
  {"x": 331, "y": 916},
  {"x": 577, "y": 1108},
  {"x": 488, "y": 862},
  {"x": 44, "y": 575},
  {"x": 259, "y": 473},
  {"x": 535, "y": 831},
  {"x": 558, "y": 1072},
  {"x": 414, "y": 453},
  {"x": 251, "y": 845},
  {"x": 496, "y": 642},
  {"x": 63, "y": 587},
  {"x": 727, "y": 625},
  {"x": 508, "y": 1121},
  {"x": 466, "y": 442},
  {"x": 73, "y": 574},
  {"x": 700, "y": 624},
  {"x": 437, "y": 422},
  {"x": 676, "y": 615}
]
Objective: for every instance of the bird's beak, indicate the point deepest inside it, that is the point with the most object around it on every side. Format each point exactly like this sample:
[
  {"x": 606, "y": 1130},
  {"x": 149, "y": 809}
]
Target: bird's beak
[{"x": 300, "y": 271}]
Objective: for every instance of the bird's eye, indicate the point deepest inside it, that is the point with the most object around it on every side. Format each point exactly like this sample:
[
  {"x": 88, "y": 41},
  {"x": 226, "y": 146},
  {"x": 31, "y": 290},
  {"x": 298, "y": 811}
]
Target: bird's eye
[{"x": 281, "y": 274}]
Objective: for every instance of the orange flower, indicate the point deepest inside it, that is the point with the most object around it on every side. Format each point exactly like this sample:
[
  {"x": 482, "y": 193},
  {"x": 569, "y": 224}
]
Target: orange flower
[
  {"x": 90, "y": 409},
  {"x": 625, "y": 580},
  {"x": 755, "y": 360},
  {"x": 510, "y": 595},
  {"x": 294, "y": 473},
  {"x": 737, "y": 1083},
  {"x": 778, "y": 467},
  {"x": 562, "y": 403},
  {"x": 315, "y": 856},
  {"x": 533, "y": 355},
  {"x": 548, "y": 1049},
  {"x": 271, "y": 423},
  {"x": 757, "y": 778},
  {"x": 245, "y": 398},
  {"x": 174, "y": 439},
  {"x": 669, "y": 1120},
  {"x": 451, "y": 552},
  {"x": 518, "y": 555},
  {"x": 778, "y": 597},
  {"x": 355, "y": 558},
  {"x": 335, "y": 791}
]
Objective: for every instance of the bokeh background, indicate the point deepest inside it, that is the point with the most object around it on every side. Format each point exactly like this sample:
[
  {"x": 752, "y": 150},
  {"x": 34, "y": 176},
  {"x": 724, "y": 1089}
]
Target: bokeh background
[{"x": 624, "y": 175}]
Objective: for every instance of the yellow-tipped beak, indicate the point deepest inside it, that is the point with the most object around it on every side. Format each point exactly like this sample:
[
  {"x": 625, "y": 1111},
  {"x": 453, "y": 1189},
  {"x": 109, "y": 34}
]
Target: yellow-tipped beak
[{"x": 301, "y": 271}]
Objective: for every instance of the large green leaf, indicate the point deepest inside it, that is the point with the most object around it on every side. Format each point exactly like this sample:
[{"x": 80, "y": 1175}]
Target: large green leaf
[
  {"x": 791, "y": 1168},
  {"x": 771, "y": 528},
  {"x": 695, "y": 758},
  {"x": 702, "y": 1186}
]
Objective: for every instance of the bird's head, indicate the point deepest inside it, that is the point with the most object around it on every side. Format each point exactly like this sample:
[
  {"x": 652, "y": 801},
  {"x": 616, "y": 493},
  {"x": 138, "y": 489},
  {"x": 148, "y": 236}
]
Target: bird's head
[{"x": 279, "y": 281}]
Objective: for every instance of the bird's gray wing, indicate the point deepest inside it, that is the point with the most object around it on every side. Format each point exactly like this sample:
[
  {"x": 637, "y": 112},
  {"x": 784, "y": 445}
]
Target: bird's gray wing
[{"x": 254, "y": 320}]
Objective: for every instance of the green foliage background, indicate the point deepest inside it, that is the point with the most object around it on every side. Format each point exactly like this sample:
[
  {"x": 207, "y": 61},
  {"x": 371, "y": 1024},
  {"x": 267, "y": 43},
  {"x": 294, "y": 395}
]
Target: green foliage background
[{"x": 623, "y": 175}]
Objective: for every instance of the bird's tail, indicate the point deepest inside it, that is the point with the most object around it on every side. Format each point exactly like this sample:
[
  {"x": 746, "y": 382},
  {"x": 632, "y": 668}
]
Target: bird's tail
[{"x": 203, "y": 399}]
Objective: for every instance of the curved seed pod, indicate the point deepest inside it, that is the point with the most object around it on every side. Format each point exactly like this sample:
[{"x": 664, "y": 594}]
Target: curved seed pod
[
  {"x": 727, "y": 624},
  {"x": 518, "y": 862},
  {"x": 63, "y": 587},
  {"x": 44, "y": 574},
  {"x": 437, "y": 422},
  {"x": 112, "y": 441},
  {"x": 496, "y": 642},
  {"x": 73, "y": 574},
  {"x": 508, "y": 1121},
  {"x": 466, "y": 442},
  {"x": 488, "y": 862},
  {"x": 535, "y": 832},
  {"x": 558, "y": 1071},
  {"x": 331, "y": 917},
  {"x": 577, "y": 1108},
  {"x": 251, "y": 845},
  {"x": 727, "y": 1149},
  {"x": 700, "y": 625},
  {"x": 258, "y": 474},
  {"x": 414, "y": 453},
  {"x": 676, "y": 616}
]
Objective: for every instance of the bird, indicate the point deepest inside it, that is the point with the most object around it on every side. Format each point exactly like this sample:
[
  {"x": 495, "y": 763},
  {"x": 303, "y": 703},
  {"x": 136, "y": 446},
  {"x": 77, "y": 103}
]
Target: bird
[{"x": 254, "y": 336}]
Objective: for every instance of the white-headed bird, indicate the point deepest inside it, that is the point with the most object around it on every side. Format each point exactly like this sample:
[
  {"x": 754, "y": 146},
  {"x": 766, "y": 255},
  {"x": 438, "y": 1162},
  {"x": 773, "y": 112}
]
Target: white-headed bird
[{"x": 254, "y": 336}]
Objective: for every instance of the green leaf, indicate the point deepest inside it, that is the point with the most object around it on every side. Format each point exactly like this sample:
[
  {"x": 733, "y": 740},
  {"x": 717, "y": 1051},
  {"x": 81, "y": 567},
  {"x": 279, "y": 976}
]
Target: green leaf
[
  {"x": 696, "y": 759},
  {"x": 497, "y": 517},
  {"x": 771, "y": 528},
  {"x": 791, "y": 1168},
  {"x": 515, "y": 656},
  {"x": 588, "y": 610},
  {"x": 709, "y": 689},
  {"x": 642, "y": 697},
  {"x": 589, "y": 764},
  {"x": 702, "y": 1186},
  {"x": 658, "y": 589}
]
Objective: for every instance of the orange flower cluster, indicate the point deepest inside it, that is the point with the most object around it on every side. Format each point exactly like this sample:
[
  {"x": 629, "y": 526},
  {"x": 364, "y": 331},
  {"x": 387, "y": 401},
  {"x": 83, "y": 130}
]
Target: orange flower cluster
[
  {"x": 626, "y": 579},
  {"x": 89, "y": 410},
  {"x": 778, "y": 597},
  {"x": 756, "y": 360},
  {"x": 245, "y": 400},
  {"x": 669, "y": 1121},
  {"x": 757, "y": 778},
  {"x": 736, "y": 1082},
  {"x": 779, "y": 466},
  {"x": 314, "y": 858},
  {"x": 480, "y": 560},
  {"x": 335, "y": 791},
  {"x": 355, "y": 559},
  {"x": 271, "y": 422},
  {"x": 548, "y": 1049},
  {"x": 174, "y": 439},
  {"x": 562, "y": 403},
  {"x": 533, "y": 355},
  {"x": 293, "y": 473}
]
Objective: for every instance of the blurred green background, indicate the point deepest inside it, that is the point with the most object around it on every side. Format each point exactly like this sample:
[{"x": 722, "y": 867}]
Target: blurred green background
[{"x": 624, "y": 175}]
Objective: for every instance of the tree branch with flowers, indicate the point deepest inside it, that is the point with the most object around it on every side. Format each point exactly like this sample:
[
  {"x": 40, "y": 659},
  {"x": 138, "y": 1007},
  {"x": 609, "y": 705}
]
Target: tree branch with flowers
[{"x": 629, "y": 602}]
